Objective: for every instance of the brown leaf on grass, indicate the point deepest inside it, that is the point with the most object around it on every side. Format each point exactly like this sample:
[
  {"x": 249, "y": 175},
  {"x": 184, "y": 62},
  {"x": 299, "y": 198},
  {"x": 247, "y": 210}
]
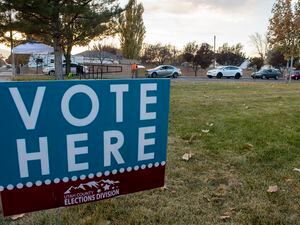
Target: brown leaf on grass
[
  {"x": 226, "y": 216},
  {"x": 273, "y": 189},
  {"x": 16, "y": 217},
  {"x": 297, "y": 170},
  {"x": 164, "y": 188},
  {"x": 210, "y": 124},
  {"x": 248, "y": 146},
  {"x": 187, "y": 156}
]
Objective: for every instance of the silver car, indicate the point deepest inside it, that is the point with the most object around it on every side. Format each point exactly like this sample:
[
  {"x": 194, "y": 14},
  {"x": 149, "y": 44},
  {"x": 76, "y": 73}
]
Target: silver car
[{"x": 164, "y": 71}]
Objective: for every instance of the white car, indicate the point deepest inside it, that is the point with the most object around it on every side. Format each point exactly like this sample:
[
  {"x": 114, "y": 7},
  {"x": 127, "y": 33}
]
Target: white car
[
  {"x": 75, "y": 69},
  {"x": 225, "y": 71}
]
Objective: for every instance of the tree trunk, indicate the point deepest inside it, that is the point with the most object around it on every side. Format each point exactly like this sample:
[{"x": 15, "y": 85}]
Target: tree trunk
[
  {"x": 290, "y": 70},
  {"x": 68, "y": 60},
  {"x": 195, "y": 70},
  {"x": 58, "y": 53}
]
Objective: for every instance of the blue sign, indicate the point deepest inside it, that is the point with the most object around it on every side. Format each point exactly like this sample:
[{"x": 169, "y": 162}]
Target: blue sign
[{"x": 70, "y": 130}]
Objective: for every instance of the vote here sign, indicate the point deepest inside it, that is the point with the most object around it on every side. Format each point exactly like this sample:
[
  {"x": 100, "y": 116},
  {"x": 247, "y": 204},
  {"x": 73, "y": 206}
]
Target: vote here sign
[{"x": 65, "y": 143}]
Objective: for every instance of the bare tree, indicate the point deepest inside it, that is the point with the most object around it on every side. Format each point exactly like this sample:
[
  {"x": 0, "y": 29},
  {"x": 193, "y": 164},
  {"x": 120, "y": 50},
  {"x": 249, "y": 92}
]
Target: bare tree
[{"x": 260, "y": 42}]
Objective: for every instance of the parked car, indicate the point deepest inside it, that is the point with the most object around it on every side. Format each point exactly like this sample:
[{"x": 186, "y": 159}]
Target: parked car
[
  {"x": 164, "y": 71},
  {"x": 225, "y": 71},
  {"x": 295, "y": 75},
  {"x": 266, "y": 74},
  {"x": 75, "y": 69}
]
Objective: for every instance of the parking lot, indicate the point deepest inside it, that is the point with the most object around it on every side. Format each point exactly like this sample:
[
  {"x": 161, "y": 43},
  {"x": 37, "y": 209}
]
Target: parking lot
[{"x": 246, "y": 80}]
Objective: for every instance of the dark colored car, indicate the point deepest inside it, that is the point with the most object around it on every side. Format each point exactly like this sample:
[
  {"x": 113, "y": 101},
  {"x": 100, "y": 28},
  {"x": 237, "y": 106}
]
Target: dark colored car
[
  {"x": 296, "y": 75},
  {"x": 267, "y": 74}
]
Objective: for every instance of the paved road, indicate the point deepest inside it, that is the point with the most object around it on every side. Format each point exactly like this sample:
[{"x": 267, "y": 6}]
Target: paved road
[
  {"x": 204, "y": 79},
  {"x": 5, "y": 74}
]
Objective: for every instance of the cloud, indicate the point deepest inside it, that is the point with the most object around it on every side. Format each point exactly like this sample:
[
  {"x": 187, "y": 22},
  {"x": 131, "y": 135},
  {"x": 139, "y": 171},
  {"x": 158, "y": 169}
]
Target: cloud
[{"x": 191, "y": 6}]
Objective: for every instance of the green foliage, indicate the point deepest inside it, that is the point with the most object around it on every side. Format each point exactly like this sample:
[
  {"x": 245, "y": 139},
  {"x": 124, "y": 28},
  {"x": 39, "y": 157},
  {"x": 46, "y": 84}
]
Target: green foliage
[
  {"x": 276, "y": 58},
  {"x": 132, "y": 30},
  {"x": 257, "y": 62},
  {"x": 198, "y": 55},
  {"x": 205, "y": 56},
  {"x": 225, "y": 176},
  {"x": 158, "y": 54},
  {"x": 230, "y": 55},
  {"x": 63, "y": 23},
  {"x": 284, "y": 28}
]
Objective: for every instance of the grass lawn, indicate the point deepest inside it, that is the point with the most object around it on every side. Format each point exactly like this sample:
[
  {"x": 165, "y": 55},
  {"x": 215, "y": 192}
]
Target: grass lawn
[{"x": 244, "y": 137}]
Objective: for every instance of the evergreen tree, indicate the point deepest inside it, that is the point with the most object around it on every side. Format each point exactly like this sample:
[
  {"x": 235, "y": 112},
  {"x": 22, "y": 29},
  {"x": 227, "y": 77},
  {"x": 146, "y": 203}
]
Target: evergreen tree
[
  {"x": 132, "y": 30},
  {"x": 63, "y": 23}
]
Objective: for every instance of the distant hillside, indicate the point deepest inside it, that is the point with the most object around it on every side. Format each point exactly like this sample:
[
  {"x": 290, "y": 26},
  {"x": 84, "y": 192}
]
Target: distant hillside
[{"x": 95, "y": 54}]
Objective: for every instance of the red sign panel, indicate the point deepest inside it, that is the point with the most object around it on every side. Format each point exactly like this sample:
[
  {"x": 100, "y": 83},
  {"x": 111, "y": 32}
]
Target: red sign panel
[{"x": 78, "y": 192}]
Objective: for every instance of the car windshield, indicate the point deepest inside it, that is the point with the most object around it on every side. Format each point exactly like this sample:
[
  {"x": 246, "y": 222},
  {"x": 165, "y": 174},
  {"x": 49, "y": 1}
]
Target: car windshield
[
  {"x": 157, "y": 68},
  {"x": 297, "y": 72},
  {"x": 262, "y": 70}
]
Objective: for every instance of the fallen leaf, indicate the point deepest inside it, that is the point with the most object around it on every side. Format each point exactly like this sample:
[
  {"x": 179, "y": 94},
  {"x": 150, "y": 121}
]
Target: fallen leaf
[
  {"x": 210, "y": 124},
  {"x": 296, "y": 170},
  {"x": 164, "y": 188},
  {"x": 226, "y": 216},
  {"x": 15, "y": 217},
  {"x": 187, "y": 156},
  {"x": 248, "y": 146},
  {"x": 205, "y": 131},
  {"x": 273, "y": 189}
]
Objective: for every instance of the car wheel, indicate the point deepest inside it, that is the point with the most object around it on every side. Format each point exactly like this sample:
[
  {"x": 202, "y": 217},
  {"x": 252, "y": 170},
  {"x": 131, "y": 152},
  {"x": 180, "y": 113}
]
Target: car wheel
[
  {"x": 175, "y": 75},
  {"x": 237, "y": 76},
  {"x": 263, "y": 77},
  {"x": 210, "y": 77},
  {"x": 52, "y": 73},
  {"x": 154, "y": 75},
  {"x": 276, "y": 77},
  {"x": 220, "y": 75}
]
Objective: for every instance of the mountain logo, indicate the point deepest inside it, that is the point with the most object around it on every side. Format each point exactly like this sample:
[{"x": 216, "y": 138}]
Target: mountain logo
[{"x": 101, "y": 186}]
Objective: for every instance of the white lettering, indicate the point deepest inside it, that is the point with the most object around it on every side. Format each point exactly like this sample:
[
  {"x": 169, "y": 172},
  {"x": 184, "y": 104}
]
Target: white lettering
[
  {"x": 25, "y": 157},
  {"x": 145, "y": 100},
  {"x": 119, "y": 90},
  {"x": 73, "y": 151},
  {"x": 143, "y": 142},
  {"x": 113, "y": 149},
  {"x": 29, "y": 120},
  {"x": 65, "y": 105}
]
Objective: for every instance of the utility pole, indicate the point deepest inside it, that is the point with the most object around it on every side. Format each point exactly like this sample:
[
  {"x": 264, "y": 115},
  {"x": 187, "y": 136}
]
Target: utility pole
[{"x": 12, "y": 44}]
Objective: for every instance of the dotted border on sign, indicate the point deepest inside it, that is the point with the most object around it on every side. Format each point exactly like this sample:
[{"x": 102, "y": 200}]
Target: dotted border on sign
[{"x": 82, "y": 177}]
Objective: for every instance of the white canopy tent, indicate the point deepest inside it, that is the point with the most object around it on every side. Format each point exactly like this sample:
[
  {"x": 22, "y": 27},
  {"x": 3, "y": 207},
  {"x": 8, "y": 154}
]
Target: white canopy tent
[
  {"x": 29, "y": 49},
  {"x": 32, "y": 48}
]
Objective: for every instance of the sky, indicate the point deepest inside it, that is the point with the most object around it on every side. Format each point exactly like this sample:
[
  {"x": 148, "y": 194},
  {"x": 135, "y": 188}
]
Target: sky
[{"x": 178, "y": 22}]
